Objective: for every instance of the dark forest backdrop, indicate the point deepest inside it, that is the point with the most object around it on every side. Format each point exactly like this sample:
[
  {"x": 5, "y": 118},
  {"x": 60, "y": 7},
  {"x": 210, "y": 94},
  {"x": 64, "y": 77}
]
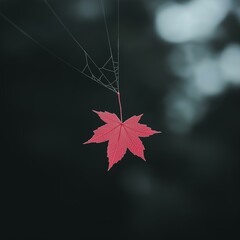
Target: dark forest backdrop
[{"x": 180, "y": 66}]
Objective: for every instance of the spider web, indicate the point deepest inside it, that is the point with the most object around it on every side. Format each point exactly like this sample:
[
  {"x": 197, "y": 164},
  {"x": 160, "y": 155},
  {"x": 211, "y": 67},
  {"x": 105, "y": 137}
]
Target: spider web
[{"x": 102, "y": 75}]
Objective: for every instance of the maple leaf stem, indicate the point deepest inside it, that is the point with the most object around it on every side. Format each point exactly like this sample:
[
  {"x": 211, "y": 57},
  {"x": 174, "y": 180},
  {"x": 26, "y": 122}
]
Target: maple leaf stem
[{"x": 120, "y": 105}]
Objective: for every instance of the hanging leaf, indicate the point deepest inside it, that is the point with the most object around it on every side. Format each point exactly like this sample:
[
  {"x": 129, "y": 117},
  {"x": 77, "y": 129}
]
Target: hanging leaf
[{"x": 121, "y": 136}]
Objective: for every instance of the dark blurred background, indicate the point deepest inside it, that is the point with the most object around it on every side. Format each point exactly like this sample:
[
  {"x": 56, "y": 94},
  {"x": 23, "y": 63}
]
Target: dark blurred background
[{"x": 180, "y": 66}]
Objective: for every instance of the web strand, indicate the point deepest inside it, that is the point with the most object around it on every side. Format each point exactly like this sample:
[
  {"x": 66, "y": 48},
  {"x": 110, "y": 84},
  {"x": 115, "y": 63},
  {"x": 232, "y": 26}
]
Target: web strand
[
  {"x": 87, "y": 70},
  {"x": 75, "y": 40},
  {"x": 118, "y": 54},
  {"x": 109, "y": 86},
  {"x": 108, "y": 39}
]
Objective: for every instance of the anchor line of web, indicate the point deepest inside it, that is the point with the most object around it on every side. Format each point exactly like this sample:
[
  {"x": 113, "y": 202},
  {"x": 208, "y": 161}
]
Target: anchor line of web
[{"x": 87, "y": 71}]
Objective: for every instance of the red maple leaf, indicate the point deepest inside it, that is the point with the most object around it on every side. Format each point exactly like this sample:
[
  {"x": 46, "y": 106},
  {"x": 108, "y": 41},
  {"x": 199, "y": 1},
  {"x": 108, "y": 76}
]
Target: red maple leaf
[{"x": 121, "y": 136}]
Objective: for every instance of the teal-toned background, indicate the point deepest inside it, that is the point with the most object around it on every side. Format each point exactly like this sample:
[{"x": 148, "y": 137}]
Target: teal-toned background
[{"x": 180, "y": 64}]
